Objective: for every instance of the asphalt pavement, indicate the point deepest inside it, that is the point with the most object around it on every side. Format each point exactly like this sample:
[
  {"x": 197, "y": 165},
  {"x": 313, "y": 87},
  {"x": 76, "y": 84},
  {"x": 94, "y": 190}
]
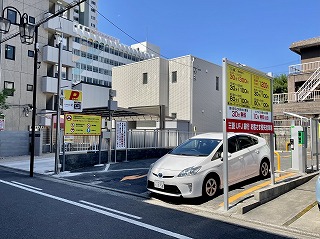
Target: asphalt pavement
[{"x": 293, "y": 209}]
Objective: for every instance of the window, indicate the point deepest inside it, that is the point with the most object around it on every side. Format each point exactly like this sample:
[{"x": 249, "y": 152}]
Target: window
[
  {"x": 76, "y": 52},
  {"x": 95, "y": 57},
  {"x": 12, "y": 16},
  {"x": 76, "y": 19},
  {"x": 93, "y": 2},
  {"x": 93, "y": 10},
  {"x": 96, "y": 45},
  {"x": 29, "y": 87},
  {"x": 174, "y": 76},
  {"x": 9, "y": 88},
  {"x": 89, "y": 68},
  {"x": 30, "y": 53},
  {"x": 217, "y": 82},
  {"x": 145, "y": 78},
  {"x": 10, "y": 52},
  {"x": 245, "y": 141},
  {"x": 77, "y": 39},
  {"x": 174, "y": 115},
  {"x": 95, "y": 69},
  {"x": 232, "y": 145},
  {"x": 93, "y": 25},
  {"x": 32, "y": 20}
]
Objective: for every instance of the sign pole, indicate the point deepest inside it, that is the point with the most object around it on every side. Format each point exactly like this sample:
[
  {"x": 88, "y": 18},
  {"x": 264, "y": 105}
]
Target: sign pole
[{"x": 225, "y": 136}]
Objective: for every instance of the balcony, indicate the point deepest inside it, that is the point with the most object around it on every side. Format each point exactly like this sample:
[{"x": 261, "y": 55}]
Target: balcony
[
  {"x": 59, "y": 24},
  {"x": 50, "y": 84},
  {"x": 51, "y": 55}
]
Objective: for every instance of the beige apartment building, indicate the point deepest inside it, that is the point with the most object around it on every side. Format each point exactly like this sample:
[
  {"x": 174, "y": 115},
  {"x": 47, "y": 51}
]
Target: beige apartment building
[{"x": 188, "y": 87}]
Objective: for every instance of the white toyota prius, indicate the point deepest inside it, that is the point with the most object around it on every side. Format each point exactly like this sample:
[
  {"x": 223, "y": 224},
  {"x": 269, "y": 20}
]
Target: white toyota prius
[{"x": 195, "y": 168}]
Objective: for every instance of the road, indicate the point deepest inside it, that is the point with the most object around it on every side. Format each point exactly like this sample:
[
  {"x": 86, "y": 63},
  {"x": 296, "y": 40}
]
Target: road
[{"x": 45, "y": 207}]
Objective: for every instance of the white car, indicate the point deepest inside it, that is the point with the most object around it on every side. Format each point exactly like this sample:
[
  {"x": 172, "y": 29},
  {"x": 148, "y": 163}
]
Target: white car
[
  {"x": 318, "y": 191},
  {"x": 195, "y": 168}
]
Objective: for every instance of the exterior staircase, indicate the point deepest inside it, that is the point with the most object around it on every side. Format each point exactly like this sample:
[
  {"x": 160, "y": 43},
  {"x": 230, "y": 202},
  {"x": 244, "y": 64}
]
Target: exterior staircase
[{"x": 309, "y": 86}]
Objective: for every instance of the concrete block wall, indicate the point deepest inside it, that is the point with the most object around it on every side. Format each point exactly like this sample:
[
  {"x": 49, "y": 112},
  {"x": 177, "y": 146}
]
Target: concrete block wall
[{"x": 14, "y": 143}]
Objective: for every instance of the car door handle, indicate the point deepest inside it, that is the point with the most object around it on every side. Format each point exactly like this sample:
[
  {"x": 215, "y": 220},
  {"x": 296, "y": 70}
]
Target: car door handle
[
  {"x": 257, "y": 151},
  {"x": 241, "y": 157}
]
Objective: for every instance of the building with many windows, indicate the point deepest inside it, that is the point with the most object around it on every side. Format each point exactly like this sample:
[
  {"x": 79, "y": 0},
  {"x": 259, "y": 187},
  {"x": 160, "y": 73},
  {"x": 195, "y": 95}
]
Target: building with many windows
[
  {"x": 87, "y": 57},
  {"x": 87, "y": 14},
  {"x": 95, "y": 53}
]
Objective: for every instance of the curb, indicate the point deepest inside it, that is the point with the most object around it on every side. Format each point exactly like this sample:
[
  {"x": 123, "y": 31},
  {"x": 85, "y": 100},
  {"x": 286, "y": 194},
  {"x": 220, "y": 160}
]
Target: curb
[{"x": 265, "y": 195}]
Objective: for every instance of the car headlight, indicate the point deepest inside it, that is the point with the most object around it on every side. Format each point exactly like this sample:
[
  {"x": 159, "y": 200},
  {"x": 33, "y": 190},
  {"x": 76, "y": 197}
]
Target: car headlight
[
  {"x": 189, "y": 171},
  {"x": 150, "y": 168}
]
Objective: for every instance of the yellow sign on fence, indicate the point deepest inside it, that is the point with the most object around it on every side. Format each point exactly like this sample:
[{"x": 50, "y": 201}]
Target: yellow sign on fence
[{"x": 75, "y": 124}]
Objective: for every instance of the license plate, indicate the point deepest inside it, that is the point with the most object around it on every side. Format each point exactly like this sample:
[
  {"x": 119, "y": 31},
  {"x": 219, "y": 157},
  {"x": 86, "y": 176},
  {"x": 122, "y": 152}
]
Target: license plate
[{"x": 159, "y": 184}]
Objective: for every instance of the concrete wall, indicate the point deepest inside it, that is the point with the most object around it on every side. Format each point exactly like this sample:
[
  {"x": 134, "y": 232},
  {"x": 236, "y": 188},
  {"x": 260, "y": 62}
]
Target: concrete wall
[
  {"x": 14, "y": 143},
  {"x": 127, "y": 80},
  {"x": 78, "y": 161},
  {"x": 207, "y": 97}
]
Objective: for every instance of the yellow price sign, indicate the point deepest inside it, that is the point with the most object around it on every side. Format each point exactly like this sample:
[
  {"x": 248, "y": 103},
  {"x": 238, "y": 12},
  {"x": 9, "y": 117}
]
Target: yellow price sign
[
  {"x": 261, "y": 96},
  {"x": 75, "y": 124},
  {"x": 238, "y": 87}
]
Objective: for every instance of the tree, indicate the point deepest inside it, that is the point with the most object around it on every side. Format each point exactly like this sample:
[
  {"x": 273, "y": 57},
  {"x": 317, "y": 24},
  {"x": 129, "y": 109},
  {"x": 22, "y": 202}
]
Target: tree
[
  {"x": 280, "y": 84},
  {"x": 3, "y": 98}
]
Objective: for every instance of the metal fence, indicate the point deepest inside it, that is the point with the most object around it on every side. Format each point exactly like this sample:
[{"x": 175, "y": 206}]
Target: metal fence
[{"x": 136, "y": 139}]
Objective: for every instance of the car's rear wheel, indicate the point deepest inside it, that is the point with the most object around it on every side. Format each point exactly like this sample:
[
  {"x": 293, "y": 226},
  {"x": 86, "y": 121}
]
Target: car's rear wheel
[
  {"x": 210, "y": 186},
  {"x": 264, "y": 168}
]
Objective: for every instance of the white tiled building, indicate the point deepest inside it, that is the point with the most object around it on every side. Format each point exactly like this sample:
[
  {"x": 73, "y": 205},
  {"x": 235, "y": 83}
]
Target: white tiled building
[
  {"x": 95, "y": 53},
  {"x": 190, "y": 88}
]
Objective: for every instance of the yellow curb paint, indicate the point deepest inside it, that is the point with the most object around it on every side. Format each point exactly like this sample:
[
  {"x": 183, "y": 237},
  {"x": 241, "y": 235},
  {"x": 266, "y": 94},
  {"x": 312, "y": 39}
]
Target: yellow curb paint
[
  {"x": 250, "y": 190},
  {"x": 133, "y": 177}
]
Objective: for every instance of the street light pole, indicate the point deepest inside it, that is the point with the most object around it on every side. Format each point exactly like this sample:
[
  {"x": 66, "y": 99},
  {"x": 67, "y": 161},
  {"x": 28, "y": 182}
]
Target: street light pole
[{"x": 34, "y": 100}]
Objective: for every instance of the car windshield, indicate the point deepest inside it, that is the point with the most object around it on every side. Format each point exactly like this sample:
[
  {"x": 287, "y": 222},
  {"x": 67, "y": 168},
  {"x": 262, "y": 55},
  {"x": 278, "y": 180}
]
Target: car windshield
[{"x": 196, "y": 147}]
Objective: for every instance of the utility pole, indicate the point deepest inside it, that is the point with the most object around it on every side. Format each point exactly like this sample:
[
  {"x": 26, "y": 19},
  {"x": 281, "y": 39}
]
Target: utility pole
[{"x": 58, "y": 105}]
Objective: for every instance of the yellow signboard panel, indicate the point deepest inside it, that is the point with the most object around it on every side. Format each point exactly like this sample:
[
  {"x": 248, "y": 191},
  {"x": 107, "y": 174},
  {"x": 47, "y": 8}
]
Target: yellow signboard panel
[
  {"x": 248, "y": 90},
  {"x": 75, "y": 124},
  {"x": 239, "y": 87},
  {"x": 261, "y": 96},
  {"x": 74, "y": 95}
]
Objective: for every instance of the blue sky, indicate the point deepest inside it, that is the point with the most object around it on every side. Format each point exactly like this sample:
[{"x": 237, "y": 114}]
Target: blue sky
[{"x": 257, "y": 33}]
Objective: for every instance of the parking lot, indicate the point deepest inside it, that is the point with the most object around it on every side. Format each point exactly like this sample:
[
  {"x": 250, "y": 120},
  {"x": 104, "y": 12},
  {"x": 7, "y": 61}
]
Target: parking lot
[{"x": 131, "y": 177}]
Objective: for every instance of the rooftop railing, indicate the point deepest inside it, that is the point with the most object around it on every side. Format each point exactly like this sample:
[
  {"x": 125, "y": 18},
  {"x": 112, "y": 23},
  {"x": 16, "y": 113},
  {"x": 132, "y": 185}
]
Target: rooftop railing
[
  {"x": 304, "y": 68},
  {"x": 293, "y": 97}
]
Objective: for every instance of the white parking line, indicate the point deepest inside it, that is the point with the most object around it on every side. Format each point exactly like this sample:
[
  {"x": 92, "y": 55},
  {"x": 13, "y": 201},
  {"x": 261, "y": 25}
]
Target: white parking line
[
  {"x": 121, "y": 218},
  {"x": 28, "y": 186},
  {"x": 110, "y": 209}
]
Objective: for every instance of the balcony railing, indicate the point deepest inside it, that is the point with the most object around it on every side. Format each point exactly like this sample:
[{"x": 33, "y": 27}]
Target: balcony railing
[
  {"x": 293, "y": 97},
  {"x": 304, "y": 68}
]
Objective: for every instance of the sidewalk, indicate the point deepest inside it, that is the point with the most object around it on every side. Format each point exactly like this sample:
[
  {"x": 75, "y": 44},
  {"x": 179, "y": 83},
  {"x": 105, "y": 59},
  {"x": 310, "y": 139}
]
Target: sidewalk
[{"x": 42, "y": 164}]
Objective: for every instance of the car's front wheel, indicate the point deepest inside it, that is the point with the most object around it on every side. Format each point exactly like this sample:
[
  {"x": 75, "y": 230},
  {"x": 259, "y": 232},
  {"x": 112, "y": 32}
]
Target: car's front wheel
[
  {"x": 210, "y": 186},
  {"x": 264, "y": 168}
]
